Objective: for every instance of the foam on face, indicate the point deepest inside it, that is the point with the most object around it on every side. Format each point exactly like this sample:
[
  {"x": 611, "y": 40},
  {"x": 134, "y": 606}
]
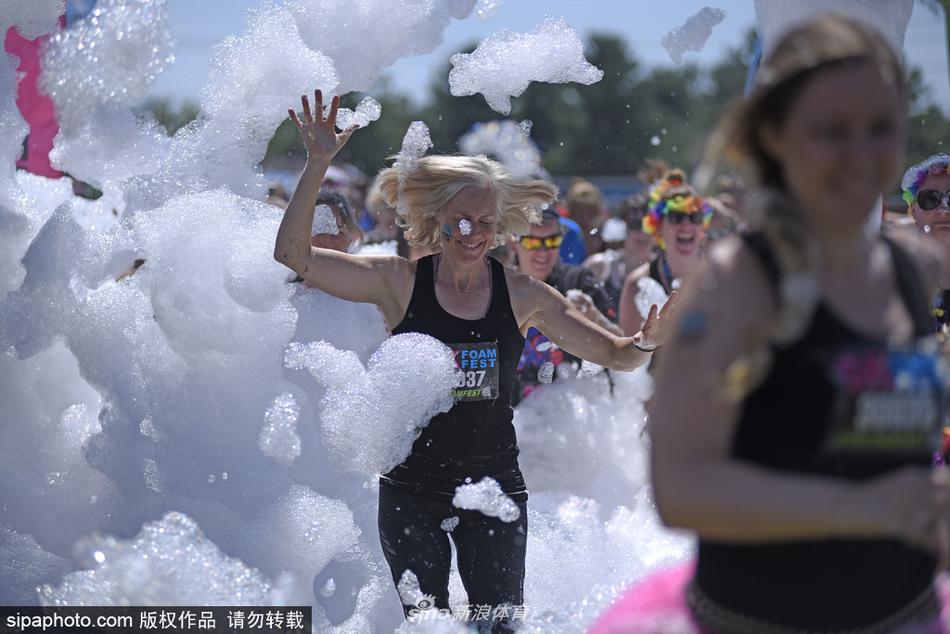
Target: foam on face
[
  {"x": 487, "y": 497},
  {"x": 507, "y": 140},
  {"x": 465, "y": 227},
  {"x": 278, "y": 438},
  {"x": 692, "y": 35},
  {"x": 552, "y": 53}
]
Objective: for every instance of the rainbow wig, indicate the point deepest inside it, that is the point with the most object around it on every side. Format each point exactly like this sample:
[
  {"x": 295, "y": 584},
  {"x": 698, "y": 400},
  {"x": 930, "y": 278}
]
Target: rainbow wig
[
  {"x": 914, "y": 177},
  {"x": 671, "y": 193}
]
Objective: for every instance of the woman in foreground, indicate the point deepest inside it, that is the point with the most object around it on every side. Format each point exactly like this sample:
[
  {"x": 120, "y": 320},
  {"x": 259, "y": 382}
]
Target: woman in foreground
[
  {"x": 796, "y": 441},
  {"x": 460, "y": 207}
]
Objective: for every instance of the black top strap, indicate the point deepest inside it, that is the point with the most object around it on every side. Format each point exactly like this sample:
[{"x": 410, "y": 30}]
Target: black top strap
[{"x": 911, "y": 288}]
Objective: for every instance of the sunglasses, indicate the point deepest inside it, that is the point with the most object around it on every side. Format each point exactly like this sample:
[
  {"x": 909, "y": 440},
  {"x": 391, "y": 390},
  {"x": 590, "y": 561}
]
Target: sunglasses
[
  {"x": 928, "y": 199},
  {"x": 676, "y": 217},
  {"x": 531, "y": 243}
]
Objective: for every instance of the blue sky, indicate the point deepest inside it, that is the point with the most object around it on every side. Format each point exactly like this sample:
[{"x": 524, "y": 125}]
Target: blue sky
[{"x": 199, "y": 24}]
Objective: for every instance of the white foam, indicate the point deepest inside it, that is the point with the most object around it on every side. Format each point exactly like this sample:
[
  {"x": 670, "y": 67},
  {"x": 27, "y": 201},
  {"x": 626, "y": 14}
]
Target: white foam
[
  {"x": 364, "y": 36},
  {"x": 449, "y": 523},
  {"x": 367, "y": 111},
  {"x": 506, "y": 62},
  {"x": 614, "y": 230},
  {"x": 324, "y": 222},
  {"x": 465, "y": 227},
  {"x": 170, "y": 562},
  {"x": 371, "y": 416},
  {"x": 278, "y": 438},
  {"x": 415, "y": 143},
  {"x": 33, "y": 18},
  {"x": 649, "y": 293},
  {"x": 111, "y": 56},
  {"x": 486, "y": 497},
  {"x": 508, "y": 141},
  {"x": 546, "y": 372},
  {"x": 692, "y": 34}
]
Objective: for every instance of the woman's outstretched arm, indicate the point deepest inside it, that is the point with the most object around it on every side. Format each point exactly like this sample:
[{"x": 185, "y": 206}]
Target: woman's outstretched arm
[{"x": 373, "y": 279}]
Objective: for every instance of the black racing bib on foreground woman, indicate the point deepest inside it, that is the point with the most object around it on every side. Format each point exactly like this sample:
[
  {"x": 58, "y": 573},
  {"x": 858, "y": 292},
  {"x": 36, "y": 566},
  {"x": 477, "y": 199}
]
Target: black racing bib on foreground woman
[
  {"x": 837, "y": 403},
  {"x": 476, "y": 437}
]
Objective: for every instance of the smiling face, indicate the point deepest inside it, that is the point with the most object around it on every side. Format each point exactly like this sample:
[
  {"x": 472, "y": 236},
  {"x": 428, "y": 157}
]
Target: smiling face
[
  {"x": 839, "y": 144},
  {"x": 538, "y": 263},
  {"x": 938, "y": 219},
  {"x": 469, "y": 225}
]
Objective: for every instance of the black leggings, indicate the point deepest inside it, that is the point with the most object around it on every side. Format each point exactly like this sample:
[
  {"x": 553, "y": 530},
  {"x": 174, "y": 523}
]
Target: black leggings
[{"x": 491, "y": 553}]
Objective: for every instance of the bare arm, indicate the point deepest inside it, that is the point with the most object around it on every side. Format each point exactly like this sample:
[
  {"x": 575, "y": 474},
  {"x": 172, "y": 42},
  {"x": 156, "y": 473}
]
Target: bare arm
[
  {"x": 630, "y": 319},
  {"x": 376, "y": 280},
  {"x": 697, "y": 484},
  {"x": 537, "y": 304}
]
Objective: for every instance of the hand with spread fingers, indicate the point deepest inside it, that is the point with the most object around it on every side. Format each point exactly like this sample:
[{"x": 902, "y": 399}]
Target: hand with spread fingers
[
  {"x": 657, "y": 325},
  {"x": 319, "y": 133}
]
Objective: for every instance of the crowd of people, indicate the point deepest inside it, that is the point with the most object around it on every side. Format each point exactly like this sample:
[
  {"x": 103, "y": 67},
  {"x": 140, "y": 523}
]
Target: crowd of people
[{"x": 801, "y": 395}]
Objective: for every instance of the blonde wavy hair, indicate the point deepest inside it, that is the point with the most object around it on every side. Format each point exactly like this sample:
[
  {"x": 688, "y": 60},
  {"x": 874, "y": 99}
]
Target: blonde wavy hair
[
  {"x": 421, "y": 191},
  {"x": 806, "y": 51}
]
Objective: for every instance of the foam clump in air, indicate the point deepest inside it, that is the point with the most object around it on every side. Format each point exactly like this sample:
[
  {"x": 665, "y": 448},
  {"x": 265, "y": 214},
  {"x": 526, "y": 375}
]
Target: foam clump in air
[
  {"x": 692, "y": 35},
  {"x": 278, "y": 438},
  {"x": 506, "y": 62},
  {"x": 508, "y": 141},
  {"x": 111, "y": 56},
  {"x": 324, "y": 222},
  {"x": 33, "y": 18},
  {"x": 371, "y": 415},
  {"x": 546, "y": 372},
  {"x": 487, "y": 497},
  {"x": 449, "y": 523},
  {"x": 169, "y": 562},
  {"x": 415, "y": 143},
  {"x": 367, "y": 111},
  {"x": 364, "y": 37}
]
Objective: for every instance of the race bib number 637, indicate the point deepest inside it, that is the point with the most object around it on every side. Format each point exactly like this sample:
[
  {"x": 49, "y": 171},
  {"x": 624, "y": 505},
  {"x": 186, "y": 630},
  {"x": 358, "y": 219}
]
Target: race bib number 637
[{"x": 476, "y": 375}]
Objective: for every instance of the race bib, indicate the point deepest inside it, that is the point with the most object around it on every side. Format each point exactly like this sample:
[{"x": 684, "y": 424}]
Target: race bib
[
  {"x": 476, "y": 375},
  {"x": 890, "y": 402}
]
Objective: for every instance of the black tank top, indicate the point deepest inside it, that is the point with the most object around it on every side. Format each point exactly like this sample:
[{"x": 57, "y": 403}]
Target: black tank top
[
  {"x": 829, "y": 407},
  {"x": 475, "y": 438}
]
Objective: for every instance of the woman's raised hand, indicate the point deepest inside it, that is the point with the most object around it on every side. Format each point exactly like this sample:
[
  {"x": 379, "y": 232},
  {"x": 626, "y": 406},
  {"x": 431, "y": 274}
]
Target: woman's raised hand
[
  {"x": 655, "y": 329},
  {"x": 319, "y": 133}
]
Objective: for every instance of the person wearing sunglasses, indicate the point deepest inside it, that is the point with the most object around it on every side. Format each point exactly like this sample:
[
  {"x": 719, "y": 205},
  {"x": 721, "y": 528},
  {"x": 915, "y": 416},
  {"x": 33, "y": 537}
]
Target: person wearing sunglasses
[
  {"x": 677, "y": 219},
  {"x": 538, "y": 256},
  {"x": 926, "y": 190},
  {"x": 460, "y": 207}
]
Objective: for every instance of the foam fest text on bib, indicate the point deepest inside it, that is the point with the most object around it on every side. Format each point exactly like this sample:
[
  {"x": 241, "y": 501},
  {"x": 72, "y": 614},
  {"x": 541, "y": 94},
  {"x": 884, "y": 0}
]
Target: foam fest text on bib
[{"x": 477, "y": 370}]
